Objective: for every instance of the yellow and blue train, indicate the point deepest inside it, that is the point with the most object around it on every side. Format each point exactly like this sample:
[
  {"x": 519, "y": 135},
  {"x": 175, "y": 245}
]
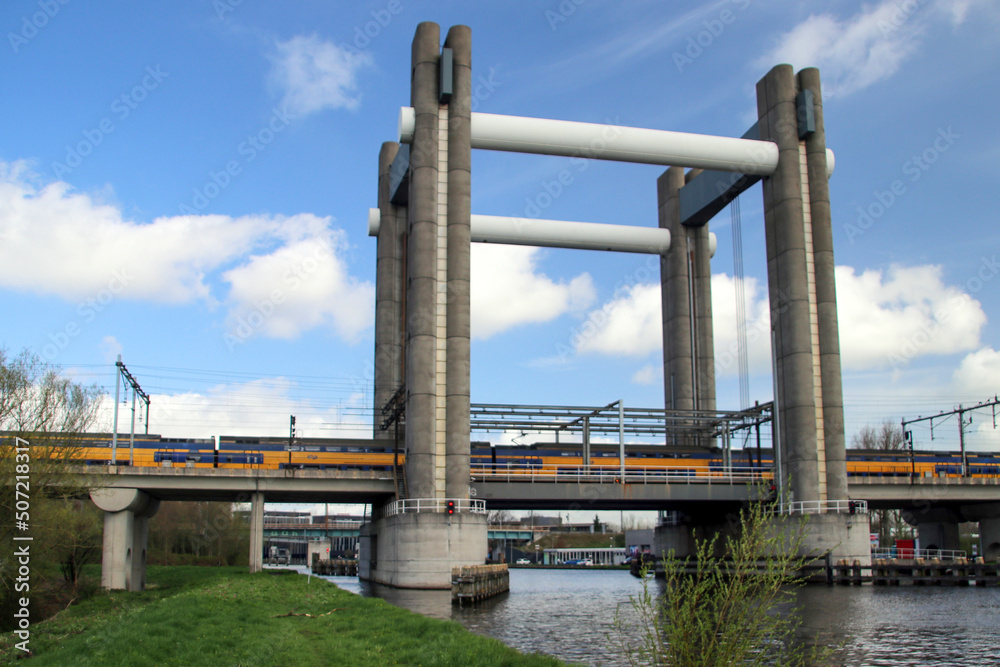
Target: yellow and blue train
[{"x": 367, "y": 454}]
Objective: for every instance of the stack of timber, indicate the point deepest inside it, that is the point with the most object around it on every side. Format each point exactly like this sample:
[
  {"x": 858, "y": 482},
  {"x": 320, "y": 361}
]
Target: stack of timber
[
  {"x": 335, "y": 567},
  {"x": 472, "y": 583}
]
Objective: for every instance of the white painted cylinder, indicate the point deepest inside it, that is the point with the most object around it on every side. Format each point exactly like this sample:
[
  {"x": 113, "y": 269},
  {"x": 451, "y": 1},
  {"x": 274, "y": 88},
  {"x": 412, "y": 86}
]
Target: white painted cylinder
[
  {"x": 559, "y": 234},
  {"x": 612, "y": 142},
  {"x": 565, "y": 234}
]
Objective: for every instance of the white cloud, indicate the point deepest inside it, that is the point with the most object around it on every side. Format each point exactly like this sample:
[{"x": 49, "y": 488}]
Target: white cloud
[
  {"x": 861, "y": 50},
  {"x": 67, "y": 244},
  {"x": 255, "y": 408},
  {"x": 648, "y": 374},
  {"x": 724, "y": 330},
  {"x": 887, "y": 320},
  {"x": 979, "y": 373},
  {"x": 315, "y": 75},
  {"x": 110, "y": 348},
  {"x": 508, "y": 292},
  {"x": 301, "y": 286},
  {"x": 630, "y": 324},
  {"x": 856, "y": 52}
]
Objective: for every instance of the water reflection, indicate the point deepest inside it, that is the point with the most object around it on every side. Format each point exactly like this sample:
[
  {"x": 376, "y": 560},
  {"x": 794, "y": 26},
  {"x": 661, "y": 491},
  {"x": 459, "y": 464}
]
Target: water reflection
[{"x": 568, "y": 614}]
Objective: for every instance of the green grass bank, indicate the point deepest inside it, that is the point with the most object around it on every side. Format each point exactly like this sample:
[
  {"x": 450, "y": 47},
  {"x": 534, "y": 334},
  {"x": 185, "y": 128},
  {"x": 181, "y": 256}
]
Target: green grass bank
[{"x": 224, "y": 616}]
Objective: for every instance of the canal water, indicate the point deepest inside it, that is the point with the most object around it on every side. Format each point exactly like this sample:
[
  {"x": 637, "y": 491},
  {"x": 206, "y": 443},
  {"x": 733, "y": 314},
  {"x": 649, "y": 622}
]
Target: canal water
[{"x": 569, "y": 614}]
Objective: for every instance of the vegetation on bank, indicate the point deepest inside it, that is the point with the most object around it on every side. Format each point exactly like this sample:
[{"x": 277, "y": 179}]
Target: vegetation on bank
[
  {"x": 729, "y": 610},
  {"x": 225, "y": 616},
  {"x": 48, "y": 528}
]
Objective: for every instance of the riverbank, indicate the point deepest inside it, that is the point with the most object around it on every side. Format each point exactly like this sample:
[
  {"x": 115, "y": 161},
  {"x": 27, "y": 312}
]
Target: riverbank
[{"x": 221, "y": 615}]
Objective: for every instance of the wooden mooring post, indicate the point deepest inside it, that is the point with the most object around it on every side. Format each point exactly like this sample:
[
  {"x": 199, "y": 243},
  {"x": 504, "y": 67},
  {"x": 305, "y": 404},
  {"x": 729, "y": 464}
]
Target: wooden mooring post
[{"x": 473, "y": 583}]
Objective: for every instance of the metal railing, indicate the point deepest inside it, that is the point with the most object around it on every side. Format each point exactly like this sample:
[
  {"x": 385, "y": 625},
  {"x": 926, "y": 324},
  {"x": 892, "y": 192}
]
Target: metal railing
[
  {"x": 612, "y": 475},
  {"x": 823, "y": 507},
  {"x": 904, "y": 552},
  {"x": 434, "y": 505}
]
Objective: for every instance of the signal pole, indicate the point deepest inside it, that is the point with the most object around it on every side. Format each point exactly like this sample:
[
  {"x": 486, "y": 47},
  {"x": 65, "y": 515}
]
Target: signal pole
[
  {"x": 960, "y": 411},
  {"x": 123, "y": 374}
]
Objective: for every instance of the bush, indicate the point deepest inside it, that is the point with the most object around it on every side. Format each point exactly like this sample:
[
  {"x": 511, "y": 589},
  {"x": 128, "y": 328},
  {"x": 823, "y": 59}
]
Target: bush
[{"x": 723, "y": 611}]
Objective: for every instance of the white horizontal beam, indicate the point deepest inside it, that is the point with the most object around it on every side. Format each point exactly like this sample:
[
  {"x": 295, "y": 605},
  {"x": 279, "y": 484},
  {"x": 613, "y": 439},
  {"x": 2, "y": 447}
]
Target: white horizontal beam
[
  {"x": 561, "y": 234},
  {"x": 612, "y": 142},
  {"x": 565, "y": 234}
]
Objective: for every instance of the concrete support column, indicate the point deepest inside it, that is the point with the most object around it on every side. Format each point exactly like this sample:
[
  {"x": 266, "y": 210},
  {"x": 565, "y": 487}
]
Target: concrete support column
[
  {"x": 123, "y": 557},
  {"x": 700, "y": 253},
  {"x": 835, "y": 454},
  {"x": 676, "y": 539},
  {"x": 458, "y": 392},
  {"x": 678, "y": 352},
  {"x": 938, "y": 535},
  {"x": 421, "y": 268},
  {"x": 989, "y": 539},
  {"x": 789, "y": 281},
  {"x": 140, "y": 538},
  {"x": 388, "y": 372},
  {"x": 418, "y": 550},
  {"x": 256, "y": 532},
  {"x": 686, "y": 293}
]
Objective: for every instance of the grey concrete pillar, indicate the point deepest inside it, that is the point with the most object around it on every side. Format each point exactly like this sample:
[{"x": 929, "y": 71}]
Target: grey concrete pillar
[
  {"x": 388, "y": 291},
  {"x": 989, "y": 539},
  {"x": 256, "y": 532},
  {"x": 457, "y": 426},
  {"x": 938, "y": 535},
  {"x": 789, "y": 285},
  {"x": 123, "y": 555},
  {"x": 678, "y": 354},
  {"x": 140, "y": 539},
  {"x": 701, "y": 285},
  {"x": 826, "y": 295},
  {"x": 686, "y": 293},
  {"x": 421, "y": 267}
]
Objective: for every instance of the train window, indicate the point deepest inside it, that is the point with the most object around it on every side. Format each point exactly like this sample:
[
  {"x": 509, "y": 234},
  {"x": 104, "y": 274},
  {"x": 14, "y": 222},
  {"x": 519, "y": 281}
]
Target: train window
[{"x": 312, "y": 448}]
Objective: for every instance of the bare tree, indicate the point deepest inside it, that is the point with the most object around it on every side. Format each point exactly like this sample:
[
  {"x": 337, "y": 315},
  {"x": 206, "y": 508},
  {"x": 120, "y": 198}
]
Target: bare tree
[
  {"x": 499, "y": 517},
  {"x": 38, "y": 496},
  {"x": 887, "y": 436}
]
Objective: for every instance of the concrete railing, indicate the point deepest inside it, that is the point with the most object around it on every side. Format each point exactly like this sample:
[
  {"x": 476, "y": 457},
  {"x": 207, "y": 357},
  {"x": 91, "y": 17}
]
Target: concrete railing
[
  {"x": 612, "y": 475},
  {"x": 436, "y": 505},
  {"x": 824, "y": 507}
]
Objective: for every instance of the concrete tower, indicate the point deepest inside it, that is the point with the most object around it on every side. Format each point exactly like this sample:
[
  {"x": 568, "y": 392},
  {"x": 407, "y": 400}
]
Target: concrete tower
[{"x": 423, "y": 324}]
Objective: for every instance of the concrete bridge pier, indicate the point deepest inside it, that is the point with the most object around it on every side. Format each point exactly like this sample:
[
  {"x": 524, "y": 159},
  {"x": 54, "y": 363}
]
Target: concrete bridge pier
[
  {"x": 989, "y": 539},
  {"x": 938, "y": 535},
  {"x": 256, "y": 532},
  {"x": 126, "y": 528},
  {"x": 988, "y": 516},
  {"x": 842, "y": 535},
  {"x": 937, "y": 527},
  {"x": 417, "y": 549}
]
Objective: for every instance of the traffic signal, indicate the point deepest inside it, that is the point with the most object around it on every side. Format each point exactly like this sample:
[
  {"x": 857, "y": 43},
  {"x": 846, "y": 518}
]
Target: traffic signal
[
  {"x": 451, "y": 507},
  {"x": 852, "y": 507}
]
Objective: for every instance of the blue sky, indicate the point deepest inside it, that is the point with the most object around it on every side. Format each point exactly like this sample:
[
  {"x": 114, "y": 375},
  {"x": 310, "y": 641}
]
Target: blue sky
[{"x": 169, "y": 170}]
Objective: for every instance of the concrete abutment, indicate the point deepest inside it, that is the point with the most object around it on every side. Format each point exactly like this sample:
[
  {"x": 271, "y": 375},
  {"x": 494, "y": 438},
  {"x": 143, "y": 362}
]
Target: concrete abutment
[{"x": 419, "y": 549}]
